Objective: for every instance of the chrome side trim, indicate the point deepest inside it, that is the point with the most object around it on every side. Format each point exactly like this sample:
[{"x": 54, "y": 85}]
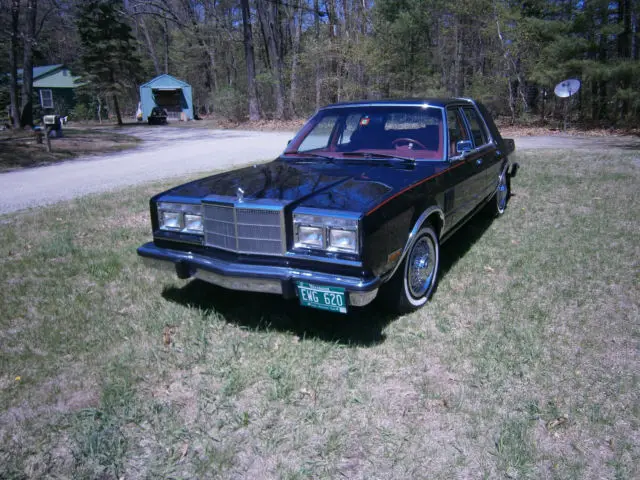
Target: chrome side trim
[
  {"x": 240, "y": 283},
  {"x": 374, "y": 104},
  {"x": 412, "y": 235}
]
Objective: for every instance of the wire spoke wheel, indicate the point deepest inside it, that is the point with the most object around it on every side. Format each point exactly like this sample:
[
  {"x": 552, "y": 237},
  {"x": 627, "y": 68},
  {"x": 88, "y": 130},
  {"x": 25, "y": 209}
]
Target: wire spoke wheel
[
  {"x": 421, "y": 266},
  {"x": 502, "y": 194}
]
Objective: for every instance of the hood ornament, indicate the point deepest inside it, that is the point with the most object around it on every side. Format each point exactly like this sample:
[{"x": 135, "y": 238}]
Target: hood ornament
[{"x": 240, "y": 195}]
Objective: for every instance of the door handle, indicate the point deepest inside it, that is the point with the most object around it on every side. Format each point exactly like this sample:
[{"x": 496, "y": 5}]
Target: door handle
[{"x": 479, "y": 162}]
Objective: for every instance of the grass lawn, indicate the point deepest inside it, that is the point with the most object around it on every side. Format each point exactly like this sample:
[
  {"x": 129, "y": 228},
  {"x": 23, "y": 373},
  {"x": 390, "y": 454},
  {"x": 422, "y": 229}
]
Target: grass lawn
[
  {"x": 525, "y": 364},
  {"x": 19, "y": 149}
]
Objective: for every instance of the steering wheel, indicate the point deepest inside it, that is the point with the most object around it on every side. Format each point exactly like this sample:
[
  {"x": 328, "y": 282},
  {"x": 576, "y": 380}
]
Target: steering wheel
[{"x": 408, "y": 141}]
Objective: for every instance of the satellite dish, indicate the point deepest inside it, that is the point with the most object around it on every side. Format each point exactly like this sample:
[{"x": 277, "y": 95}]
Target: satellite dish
[{"x": 566, "y": 88}]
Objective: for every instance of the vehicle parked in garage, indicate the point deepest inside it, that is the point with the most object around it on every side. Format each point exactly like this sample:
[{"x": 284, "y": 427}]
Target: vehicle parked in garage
[
  {"x": 158, "y": 116},
  {"x": 358, "y": 203}
]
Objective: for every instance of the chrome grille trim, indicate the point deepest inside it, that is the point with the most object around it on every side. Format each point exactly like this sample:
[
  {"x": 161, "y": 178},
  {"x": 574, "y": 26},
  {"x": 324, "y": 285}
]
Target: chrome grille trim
[{"x": 252, "y": 227}]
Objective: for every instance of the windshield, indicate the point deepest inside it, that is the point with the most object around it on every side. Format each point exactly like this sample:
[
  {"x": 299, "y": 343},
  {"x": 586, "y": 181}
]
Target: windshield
[{"x": 408, "y": 132}]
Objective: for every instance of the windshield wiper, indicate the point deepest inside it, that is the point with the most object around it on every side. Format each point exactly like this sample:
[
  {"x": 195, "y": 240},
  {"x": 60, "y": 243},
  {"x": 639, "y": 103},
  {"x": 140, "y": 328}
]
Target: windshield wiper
[
  {"x": 315, "y": 155},
  {"x": 369, "y": 155}
]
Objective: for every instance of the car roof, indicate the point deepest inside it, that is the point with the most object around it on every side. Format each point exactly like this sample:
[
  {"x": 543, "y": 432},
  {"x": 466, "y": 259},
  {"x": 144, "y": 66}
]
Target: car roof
[{"x": 408, "y": 102}]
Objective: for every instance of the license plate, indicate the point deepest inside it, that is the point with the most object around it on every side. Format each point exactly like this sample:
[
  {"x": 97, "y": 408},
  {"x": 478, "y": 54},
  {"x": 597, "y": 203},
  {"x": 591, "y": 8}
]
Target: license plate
[{"x": 324, "y": 298}]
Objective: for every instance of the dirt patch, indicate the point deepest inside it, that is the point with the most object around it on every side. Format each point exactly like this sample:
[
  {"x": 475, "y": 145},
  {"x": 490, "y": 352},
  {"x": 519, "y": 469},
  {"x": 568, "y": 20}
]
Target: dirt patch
[{"x": 20, "y": 149}]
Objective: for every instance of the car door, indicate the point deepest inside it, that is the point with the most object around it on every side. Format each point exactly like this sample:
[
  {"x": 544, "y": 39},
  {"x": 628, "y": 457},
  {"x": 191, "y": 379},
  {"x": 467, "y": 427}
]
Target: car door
[
  {"x": 465, "y": 167},
  {"x": 484, "y": 152},
  {"x": 467, "y": 182}
]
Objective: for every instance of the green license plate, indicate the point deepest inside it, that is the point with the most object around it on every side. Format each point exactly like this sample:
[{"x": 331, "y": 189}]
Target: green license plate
[{"x": 325, "y": 298}]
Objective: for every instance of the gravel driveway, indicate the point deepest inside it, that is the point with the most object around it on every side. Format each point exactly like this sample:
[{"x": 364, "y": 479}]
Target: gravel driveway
[
  {"x": 174, "y": 151},
  {"x": 166, "y": 152}
]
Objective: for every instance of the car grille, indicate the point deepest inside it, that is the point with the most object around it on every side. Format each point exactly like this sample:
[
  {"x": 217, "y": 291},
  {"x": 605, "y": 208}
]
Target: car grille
[{"x": 250, "y": 229}]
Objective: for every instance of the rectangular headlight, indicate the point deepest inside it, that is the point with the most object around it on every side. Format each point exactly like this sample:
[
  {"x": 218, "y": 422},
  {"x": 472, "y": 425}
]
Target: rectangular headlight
[
  {"x": 170, "y": 220},
  {"x": 343, "y": 240},
  {"x": 333, "y": 233},
  {"x": 180, "y": 217},
  {"x": 193, "y": 223},
  {"x": 312, "y": 237}
]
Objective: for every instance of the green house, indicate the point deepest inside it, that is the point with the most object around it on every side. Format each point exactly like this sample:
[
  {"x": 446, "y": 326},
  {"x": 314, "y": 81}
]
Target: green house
[{"x": 55, "y": 88}]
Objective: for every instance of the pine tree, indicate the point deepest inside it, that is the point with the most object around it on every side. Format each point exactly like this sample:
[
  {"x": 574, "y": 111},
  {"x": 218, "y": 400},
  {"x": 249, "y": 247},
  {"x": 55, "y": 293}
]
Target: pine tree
[{"x": 109, "y": 58}]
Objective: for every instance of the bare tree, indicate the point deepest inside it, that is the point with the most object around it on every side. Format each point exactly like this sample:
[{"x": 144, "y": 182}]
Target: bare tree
[
  {"x": 150, "y": 47},
  {"x": 13, "y": 63},
  {"x": 268, "y": 13},
  {"x": 295, "y": 54},
  {"x": 26, "y": 104},
  {"x": 254, "y": 107}
]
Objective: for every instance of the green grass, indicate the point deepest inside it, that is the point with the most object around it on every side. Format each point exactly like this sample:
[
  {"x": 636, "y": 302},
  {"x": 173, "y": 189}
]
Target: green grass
[{"x": 525, "y": 364}]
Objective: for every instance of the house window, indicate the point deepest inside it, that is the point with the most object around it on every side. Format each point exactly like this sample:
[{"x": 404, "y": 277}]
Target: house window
[{"x": 46, "y": 99}]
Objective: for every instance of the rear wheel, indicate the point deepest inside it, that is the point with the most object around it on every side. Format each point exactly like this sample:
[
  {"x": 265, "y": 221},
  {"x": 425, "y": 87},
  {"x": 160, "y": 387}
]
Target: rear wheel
[
  {"x": 499, "y": 203},
  {"x": 414, "y": 281}
]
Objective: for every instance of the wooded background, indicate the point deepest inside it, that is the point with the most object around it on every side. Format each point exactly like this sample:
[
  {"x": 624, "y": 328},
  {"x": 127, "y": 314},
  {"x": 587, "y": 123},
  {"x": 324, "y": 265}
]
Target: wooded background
[{"x": 284, "y": 58}]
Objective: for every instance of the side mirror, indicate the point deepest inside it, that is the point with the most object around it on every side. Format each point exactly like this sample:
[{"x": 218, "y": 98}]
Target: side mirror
[
  {"x": 464, "y": 146},
  {"x": 289, "y": 142}
]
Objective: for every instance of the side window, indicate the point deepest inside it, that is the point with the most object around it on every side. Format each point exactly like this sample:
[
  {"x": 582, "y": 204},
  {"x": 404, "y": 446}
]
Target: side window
[
  {"x": 457, "y": 130},
  {"x": 478, "y": 130}
]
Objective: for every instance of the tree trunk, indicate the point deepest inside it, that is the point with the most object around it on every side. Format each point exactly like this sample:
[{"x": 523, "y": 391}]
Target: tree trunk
[
  {"x": 13, "y": 62},
  {"x": 212, "y": 65},
  {"x": 267, "y": 16},
  {"x": 318, "y": 70},
  {"x": 26, "y": 104},
  {"x": 166, "y": 47},
  {"x": 116, "y": 107},
  {"x": 152, "y": 50},
  {"x": 624, "y": 38},
  {"x": 635, "y": 27},
  {"x": 254, "y": 107},
  {"x": 459, "y": 79},
  {"x": 294, "y": 61}
]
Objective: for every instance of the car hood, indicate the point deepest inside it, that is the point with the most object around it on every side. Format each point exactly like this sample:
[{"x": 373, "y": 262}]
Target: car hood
[{"x": 355, "y": 185}]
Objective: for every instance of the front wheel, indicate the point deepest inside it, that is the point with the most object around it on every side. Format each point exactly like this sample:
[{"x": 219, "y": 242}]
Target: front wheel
[{"x": 414, "y": 281}]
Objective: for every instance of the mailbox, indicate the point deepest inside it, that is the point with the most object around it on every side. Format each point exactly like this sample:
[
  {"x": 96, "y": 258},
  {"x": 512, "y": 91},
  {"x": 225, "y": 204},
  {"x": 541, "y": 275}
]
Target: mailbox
[{"x": 52, "y": 122}]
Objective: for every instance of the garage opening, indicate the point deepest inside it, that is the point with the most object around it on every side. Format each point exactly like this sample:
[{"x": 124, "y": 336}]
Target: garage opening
[
  {"x": 171, "y": 101},
  {"x": 170, "y": 94}
]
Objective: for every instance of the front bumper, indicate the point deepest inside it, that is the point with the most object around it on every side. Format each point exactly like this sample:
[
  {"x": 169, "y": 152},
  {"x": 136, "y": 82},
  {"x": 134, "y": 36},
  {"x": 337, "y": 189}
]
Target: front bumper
[{"x": 254, "y": 278}]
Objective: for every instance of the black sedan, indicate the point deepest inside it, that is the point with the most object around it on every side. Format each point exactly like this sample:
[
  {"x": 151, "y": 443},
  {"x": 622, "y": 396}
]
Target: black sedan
[
  {"x": 358, "y": 203},
  {"x": 158, "y": 116}
]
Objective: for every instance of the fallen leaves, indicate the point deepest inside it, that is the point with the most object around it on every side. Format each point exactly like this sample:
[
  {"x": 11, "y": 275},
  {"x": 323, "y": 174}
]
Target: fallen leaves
[
  {"x": 168, "y": 333},
  {"x": 555, "y": 423}
]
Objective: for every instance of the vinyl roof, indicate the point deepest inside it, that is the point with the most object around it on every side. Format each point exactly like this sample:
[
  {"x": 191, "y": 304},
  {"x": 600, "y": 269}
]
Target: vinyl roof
[{"x": 408, "y": 102}]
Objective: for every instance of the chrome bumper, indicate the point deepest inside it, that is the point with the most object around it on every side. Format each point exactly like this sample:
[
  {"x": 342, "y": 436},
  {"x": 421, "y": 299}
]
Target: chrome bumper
[{"x": 253, "y": 278}]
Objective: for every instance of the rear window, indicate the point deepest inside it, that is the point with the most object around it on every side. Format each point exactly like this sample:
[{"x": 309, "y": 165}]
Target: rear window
[{"x": 478, "y": 130}]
